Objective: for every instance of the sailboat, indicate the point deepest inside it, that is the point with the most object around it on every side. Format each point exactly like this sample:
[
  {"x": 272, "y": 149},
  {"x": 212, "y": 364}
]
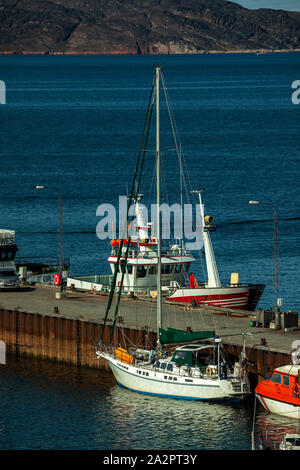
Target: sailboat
[{"x": 193, "y": 369}]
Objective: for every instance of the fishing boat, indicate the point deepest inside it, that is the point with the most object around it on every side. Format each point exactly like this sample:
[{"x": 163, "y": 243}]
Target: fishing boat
[
  {"x": 281, "y": 393},
  {"x": 182, "y": 365},
  {"x": 177, "y": 283}
]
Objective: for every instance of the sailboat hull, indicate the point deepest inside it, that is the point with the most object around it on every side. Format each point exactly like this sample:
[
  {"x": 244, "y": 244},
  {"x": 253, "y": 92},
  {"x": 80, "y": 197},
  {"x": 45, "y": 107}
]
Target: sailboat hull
[{"x": 152, "y": 382}]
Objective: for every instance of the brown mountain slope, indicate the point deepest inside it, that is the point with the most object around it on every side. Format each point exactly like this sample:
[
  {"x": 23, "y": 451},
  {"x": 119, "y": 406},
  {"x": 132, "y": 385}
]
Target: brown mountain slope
[{"x": 143, "y": 26}]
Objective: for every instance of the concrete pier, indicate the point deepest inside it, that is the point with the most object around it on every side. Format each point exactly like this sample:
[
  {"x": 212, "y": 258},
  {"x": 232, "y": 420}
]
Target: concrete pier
[{"x": 34, "y": 322}]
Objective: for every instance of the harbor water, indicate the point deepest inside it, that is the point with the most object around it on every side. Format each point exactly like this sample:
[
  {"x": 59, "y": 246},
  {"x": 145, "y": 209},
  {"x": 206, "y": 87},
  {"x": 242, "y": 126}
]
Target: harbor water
[
  {"x": 75, "y": 124},
  {"x": 48, "y": 406}
]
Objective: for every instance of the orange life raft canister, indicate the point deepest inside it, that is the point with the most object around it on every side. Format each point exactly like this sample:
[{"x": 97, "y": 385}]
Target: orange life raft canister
[{"x": 124, "y": 356}]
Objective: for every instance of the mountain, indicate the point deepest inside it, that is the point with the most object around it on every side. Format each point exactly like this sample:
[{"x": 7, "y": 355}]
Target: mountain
[{"x": 143, "y": 27}]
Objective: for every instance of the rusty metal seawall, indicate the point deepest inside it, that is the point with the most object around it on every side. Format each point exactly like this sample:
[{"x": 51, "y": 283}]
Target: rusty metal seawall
[{"x": 61, "y": 339}]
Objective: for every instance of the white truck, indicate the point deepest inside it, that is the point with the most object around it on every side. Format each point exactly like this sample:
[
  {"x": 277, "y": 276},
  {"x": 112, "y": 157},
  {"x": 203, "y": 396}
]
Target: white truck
[{"x": 9, "y": 278}]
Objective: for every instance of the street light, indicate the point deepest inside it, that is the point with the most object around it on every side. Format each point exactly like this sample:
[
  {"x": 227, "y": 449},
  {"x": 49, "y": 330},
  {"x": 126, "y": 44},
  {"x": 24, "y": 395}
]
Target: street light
[
  {"x": 276, "y": 300},
  {"x": 60, "y": 229}
]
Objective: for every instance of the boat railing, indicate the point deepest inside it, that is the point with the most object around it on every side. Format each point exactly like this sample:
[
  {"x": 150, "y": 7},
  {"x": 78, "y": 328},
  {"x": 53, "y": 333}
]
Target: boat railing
[
  {"x": 242, "y": 284},
  {"x": 187, "y": 371},
  {"x": 168, "y": 253},
  {"x": 104, "y": 279}
]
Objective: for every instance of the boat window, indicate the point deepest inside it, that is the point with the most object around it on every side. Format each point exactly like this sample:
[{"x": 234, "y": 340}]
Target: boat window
[
  {"x": 122, "y": 266},
  {"x": 7, "y": 273},
  {"x": 163, "y": 365},
  {"x": 285, "y": 380},
  {"x": 293, "y": 440},
  {"x": 204, "y": 358},
  {"x": 178, "y": 268},
  {"x": 157, "y": 364},
  {"x": 141, "y": 271},
  {"x": 153, "y": 270},
  {"x": 129, "y": 268},
  {"x": 170, "y": 367},
  {"x": 166, "y": 268},
  {"x": 276, "y": 378},
  {"x": 186, "y": 266},
  {"x": 180, "y": 355}
]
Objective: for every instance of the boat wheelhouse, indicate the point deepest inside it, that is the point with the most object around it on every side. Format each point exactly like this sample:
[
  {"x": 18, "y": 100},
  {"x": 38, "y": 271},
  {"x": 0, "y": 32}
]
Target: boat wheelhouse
[{"x": 141, "y": 265}]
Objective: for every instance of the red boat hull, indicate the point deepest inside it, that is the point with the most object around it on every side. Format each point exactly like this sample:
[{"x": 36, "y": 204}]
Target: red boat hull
[{"x": 234, "y": 297}]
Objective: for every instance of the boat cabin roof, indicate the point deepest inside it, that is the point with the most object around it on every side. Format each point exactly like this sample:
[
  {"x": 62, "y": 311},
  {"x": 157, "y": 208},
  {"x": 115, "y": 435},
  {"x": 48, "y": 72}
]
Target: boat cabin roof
[{"x": 291, "y": 369}]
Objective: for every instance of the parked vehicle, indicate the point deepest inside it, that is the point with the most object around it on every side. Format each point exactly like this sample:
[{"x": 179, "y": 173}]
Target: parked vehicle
[{"x": 9, "y": 278}]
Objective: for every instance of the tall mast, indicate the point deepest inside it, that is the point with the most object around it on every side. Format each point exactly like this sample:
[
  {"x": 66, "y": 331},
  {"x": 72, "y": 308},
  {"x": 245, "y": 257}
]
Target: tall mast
[{"x": 159, "y": 301}]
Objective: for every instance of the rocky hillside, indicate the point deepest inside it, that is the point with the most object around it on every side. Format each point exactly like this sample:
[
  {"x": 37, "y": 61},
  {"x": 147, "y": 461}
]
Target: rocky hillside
[{"x": 143, "y": 27}]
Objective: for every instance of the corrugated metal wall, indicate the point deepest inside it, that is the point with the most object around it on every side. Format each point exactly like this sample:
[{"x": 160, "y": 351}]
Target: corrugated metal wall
[{"x": 61, "y": 339}]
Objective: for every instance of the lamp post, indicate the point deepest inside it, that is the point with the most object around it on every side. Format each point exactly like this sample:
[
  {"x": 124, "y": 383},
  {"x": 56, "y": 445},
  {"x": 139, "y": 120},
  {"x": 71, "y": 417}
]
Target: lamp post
[
  {"x": 276, "y": 300},
  {"x": 60, "y": 230}
]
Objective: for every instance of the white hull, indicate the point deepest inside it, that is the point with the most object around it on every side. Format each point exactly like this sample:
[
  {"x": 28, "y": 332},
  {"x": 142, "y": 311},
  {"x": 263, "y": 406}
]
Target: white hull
[
  {"x": 279, "y": 407},
  {"x": 154, "y": 382}
]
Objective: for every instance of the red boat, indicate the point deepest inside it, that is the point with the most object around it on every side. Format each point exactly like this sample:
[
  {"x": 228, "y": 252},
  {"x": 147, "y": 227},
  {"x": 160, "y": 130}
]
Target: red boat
[{"x": 281, "y": 394}]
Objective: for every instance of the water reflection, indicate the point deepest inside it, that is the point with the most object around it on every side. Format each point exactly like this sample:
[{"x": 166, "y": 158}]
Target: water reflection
[
  {"x": 273, "y": 428},
  {"x": 165, "y": 423}
]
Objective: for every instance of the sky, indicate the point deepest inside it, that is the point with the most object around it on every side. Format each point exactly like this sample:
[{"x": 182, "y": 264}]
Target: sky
[{"x": 275, "y": 4}]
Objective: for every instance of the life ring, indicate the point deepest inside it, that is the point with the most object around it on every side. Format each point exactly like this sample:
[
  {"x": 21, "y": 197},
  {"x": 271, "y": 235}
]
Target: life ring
[
  {"x": 209, "y": 371},
  {"x": 119, "y": 283},
  {"x": 56, "y": 279}
]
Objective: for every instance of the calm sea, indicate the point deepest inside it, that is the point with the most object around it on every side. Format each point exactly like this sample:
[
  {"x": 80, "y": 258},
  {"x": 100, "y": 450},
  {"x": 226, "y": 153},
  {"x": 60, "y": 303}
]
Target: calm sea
[{"x": 75, "y": 124}]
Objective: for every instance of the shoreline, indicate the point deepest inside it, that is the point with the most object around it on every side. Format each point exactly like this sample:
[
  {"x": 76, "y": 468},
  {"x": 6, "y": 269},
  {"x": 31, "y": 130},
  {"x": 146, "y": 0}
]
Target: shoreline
[{"x": 213, "y": 52}]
